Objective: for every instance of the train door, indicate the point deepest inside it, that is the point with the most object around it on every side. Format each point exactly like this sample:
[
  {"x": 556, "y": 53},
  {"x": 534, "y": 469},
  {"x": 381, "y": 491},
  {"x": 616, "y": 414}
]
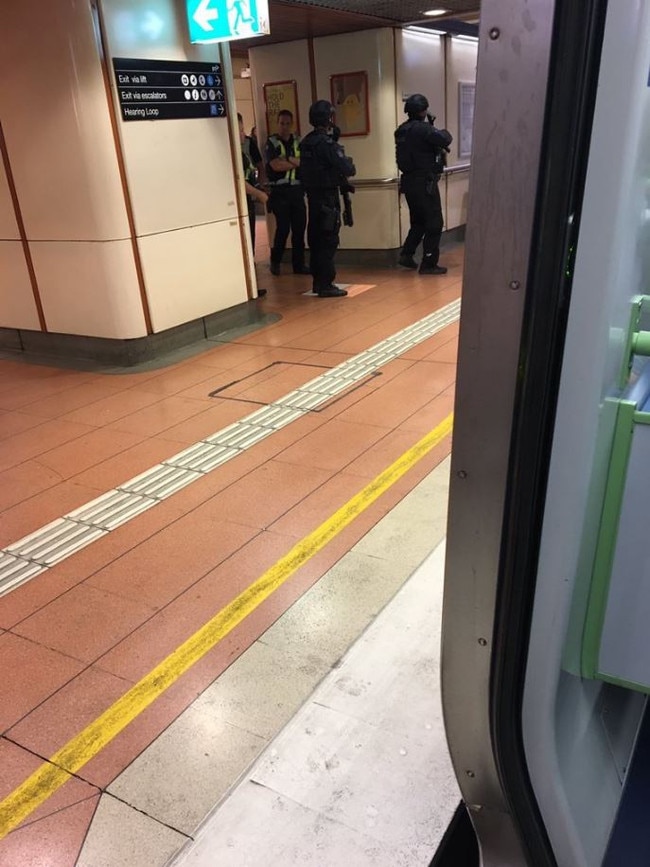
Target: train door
[{"x": 546, "y": 639}]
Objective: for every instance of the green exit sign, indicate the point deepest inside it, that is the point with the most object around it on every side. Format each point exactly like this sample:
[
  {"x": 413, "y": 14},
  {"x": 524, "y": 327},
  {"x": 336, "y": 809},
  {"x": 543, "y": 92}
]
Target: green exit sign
[{"x": 226, "y": 20}]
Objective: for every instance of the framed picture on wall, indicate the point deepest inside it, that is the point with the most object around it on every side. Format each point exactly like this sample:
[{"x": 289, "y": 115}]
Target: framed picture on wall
[
  {"x": 350, "y": 100},
  {"x": 466, "y": 93},
  {"x": 280, "y": 95}
]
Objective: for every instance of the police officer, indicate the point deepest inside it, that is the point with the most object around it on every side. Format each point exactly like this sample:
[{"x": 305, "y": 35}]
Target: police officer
[
  {"x": 323, "y": 167},
  {"x": 251, "y": 159},
  {"x": 287, "y": 199},
  {"x": 421, "y": 149}
]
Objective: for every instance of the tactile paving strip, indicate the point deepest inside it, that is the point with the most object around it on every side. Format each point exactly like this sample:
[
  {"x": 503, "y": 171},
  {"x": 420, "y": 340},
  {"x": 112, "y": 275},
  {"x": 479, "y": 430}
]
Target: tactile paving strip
[{"x": 44, "y": 548}]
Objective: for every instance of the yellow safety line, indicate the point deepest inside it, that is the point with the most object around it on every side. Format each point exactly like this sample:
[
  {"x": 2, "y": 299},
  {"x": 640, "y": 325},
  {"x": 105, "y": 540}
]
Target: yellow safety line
[{"x": 51, "y": 775}]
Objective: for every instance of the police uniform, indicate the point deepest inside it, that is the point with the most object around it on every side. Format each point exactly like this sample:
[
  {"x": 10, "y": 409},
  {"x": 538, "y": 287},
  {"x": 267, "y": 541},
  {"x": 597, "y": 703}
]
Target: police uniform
[
  {"x": 287, "y": 202},
  {"x": 323, "y": 165},
  {"x": 420, "y": 157},
  {"x": 251, "y": 158}
]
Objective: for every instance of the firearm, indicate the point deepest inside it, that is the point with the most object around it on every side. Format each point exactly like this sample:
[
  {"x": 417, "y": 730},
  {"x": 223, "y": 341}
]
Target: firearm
[
  {"x": 345, "y": 187},
  {"x": 440, "y": 159}
]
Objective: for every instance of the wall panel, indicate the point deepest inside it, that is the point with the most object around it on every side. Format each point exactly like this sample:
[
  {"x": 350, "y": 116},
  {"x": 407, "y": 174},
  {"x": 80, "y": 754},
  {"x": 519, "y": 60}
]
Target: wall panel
[{"x": 17, "y": 306}]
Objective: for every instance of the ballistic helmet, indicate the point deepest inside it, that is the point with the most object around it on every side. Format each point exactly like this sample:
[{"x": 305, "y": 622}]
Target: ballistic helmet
[
  {"x": 320, "y": 113},
  {"x": 416, "y": 104}
]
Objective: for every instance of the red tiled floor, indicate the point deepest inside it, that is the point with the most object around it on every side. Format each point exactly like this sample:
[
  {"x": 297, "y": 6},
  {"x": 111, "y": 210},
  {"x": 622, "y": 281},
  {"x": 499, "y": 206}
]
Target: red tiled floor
[
  {"x": 30, "y": 673},
  {"x": 267, "y": 492},
  {"x": 126, "y": 465},
  {"x": 36, "y": 389},
  {"x": 84, "y": 622},
  {"x": 17, "y": 764},
  {"x": 176, "y": 380},
  {"x": 87, "y": 451},
  {"x": 158, "y": 417},
  {"x": 141, "y": 651},
  {"x": 429, "y": 416},
  {"x": 51, "y": 842},
  {"x": 134, "y": 595},
  {"x": 319, "y": 506},
  {"x": 27, "y": 517},
  {"x": 333, "y": 445},
  {"x": 24, "y": 481},
  {"x": 64, "y": 402},
  {"x": 220, "y": 414},
  {"x": 61, "y": 717},
  {"x": 33, "y": 442},
  {"x": 162, "y": 567},
  {"x": 447, "y": 353},
  {"x": 111, "y": 408},
  {"x": 12, "y": 423}
]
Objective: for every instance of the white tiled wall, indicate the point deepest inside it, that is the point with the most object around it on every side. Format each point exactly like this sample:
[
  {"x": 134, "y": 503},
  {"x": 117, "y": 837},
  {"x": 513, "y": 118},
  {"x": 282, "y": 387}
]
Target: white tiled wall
[
  {"x": 8, "y": 225},
  {"x": 286, "y": 62},
  {"x": 17, "y": 305},
  {"x": 194, "y": 269},
  {"x": 181, "y": 180},
  {"x": 56, "y": 120},
  {"x": 461, "y": 66},
  {"x": 89, "y": 283}
]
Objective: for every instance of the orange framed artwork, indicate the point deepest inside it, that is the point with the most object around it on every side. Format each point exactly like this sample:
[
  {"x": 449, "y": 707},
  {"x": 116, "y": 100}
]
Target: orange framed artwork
[
  {"x": 350, "y": 100},
  {"x": 279, "y": 96}
]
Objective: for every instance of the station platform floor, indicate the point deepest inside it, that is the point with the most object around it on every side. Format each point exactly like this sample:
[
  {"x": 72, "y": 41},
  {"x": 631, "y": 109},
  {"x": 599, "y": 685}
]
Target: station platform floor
[{"x": 190, "y": 549}]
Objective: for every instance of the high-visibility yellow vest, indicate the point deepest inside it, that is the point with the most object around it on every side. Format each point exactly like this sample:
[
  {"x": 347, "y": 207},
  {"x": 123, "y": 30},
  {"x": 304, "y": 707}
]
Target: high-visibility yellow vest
[{"x": 289, "y": 176}]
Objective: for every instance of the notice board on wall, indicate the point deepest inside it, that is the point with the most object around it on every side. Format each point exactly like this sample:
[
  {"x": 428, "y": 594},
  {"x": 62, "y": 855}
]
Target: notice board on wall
[{"x": 466, "y": 96}]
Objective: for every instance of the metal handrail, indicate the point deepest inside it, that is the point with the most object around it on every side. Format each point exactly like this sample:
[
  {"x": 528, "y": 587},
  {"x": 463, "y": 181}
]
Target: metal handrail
[
  {"x": 385, "y": 182},
  {"x": 373, "y": 182},
  {"x": 456, "y": 170}
]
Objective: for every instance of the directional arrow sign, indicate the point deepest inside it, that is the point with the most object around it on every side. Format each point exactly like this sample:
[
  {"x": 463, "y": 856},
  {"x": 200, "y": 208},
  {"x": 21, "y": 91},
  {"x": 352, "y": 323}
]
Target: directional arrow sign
[
  {"x": 205, "y": 15},
  {"x": 225, "y": 20}
]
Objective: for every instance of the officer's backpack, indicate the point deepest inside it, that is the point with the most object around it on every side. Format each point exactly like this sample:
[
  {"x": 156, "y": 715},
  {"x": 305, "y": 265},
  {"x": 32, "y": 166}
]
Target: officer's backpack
[{"x": 403, "y": 152}]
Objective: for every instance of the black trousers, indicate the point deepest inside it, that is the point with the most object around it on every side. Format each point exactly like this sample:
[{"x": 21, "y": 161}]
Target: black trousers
[
  {"x": 288, "y": 205},
  {"x": 323, "y": 236},
  {"x": 251, "y": 218},
  {"x": 425, "y": 211}
]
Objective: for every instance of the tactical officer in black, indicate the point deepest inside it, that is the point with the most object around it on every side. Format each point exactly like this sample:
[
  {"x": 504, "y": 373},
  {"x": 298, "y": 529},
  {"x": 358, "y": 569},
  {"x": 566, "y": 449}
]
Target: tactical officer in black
[
  {"x": 421, "y": 152},
  {"x": 323, "y": 168}
]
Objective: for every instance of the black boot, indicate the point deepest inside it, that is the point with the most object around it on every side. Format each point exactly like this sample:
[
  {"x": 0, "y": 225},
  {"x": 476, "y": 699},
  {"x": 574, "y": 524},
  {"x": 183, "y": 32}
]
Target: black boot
[
  {"x": 405, "y": 261},
  {"x": 332, "y": 291}
]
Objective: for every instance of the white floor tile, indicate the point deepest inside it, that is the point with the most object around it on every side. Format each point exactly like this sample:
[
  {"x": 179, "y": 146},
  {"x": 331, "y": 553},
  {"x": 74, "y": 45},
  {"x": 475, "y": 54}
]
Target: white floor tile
[
  {"x": 122, "y": 837},
  {"x": 286, "y": 834},
  {"x": 180, "y": 777},
  {"x": 361, "y": 775}
]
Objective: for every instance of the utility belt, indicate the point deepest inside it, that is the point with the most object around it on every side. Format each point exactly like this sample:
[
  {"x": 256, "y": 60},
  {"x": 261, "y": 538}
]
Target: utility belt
[
  {"x": 323, "y": 193},
  {"x": 276, "y": 186},
  {"x": 420, "y": 178}
]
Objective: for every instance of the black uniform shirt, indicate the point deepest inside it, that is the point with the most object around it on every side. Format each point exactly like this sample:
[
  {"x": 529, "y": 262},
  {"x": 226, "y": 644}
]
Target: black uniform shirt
[
  {"x": 418, "y": 144},
  {"x": 323, "y": 163}
]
